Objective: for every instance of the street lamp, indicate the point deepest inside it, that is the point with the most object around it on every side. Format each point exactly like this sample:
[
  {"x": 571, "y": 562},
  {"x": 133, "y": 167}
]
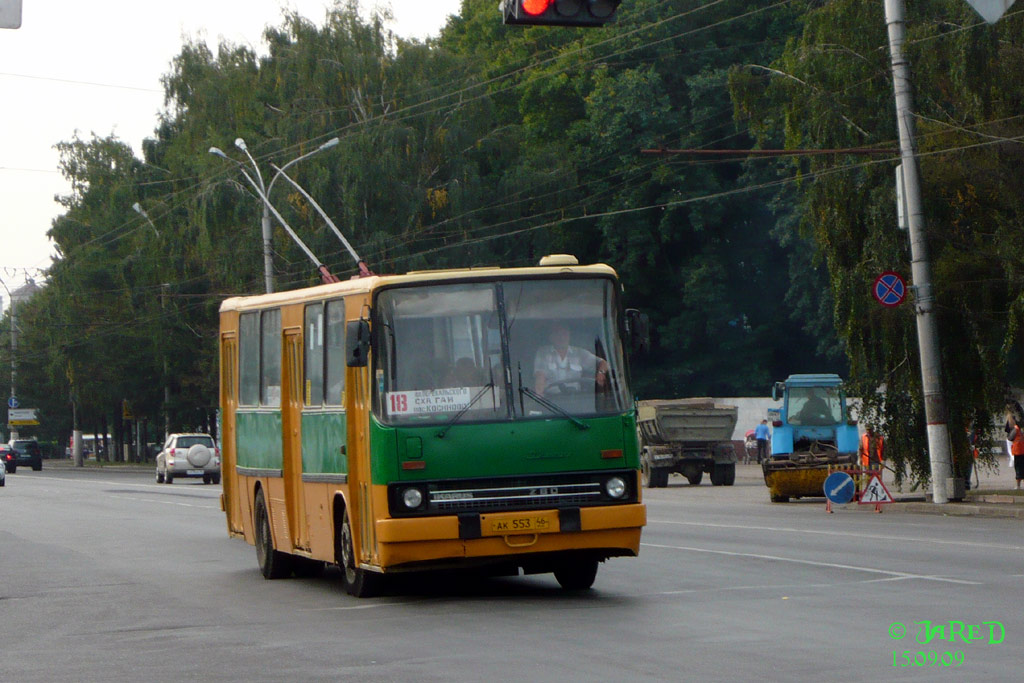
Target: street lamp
[
  {"x": 14, "y": 364},
  {"x": 142, "y": 212},
  {"x": 263, "y": 190}
]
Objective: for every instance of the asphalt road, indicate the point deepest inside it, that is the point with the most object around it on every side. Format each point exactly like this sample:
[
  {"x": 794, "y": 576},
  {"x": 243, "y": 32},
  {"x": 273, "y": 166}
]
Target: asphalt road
[{"x": 112, "y": 577}]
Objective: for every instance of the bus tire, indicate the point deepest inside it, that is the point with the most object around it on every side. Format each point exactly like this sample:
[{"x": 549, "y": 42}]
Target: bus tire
[
  {"x": 576, "y": 574},
  {"x": 273, "y": 563},
  {"x": 358, "y": 582}
]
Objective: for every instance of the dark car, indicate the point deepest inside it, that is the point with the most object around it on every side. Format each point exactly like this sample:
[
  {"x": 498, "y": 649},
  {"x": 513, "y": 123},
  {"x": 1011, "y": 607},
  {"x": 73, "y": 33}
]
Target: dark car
[
  {"x": 27, "y": 452},
  {"x": 9, "y": 458}
]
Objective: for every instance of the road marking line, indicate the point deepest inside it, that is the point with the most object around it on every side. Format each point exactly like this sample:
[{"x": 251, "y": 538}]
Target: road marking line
[
  {"x": 813, "y": 563},
  {"x": 164, "y": 502},
  {"x": 844, "y": 534}
]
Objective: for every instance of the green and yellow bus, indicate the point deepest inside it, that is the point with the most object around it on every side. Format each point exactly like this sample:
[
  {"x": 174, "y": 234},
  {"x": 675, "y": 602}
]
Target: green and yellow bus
[{"x": 455, "y": 418}]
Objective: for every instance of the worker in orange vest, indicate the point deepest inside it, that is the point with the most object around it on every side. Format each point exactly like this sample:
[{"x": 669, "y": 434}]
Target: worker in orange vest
[
  {"x": 1016, "y": 437},
  {"x": 872, "y": 446}
]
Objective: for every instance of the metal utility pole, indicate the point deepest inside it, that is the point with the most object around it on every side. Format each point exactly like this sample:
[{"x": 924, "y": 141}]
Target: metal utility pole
[
  {"x": 924, "y": 300},
  {"x": 263, "y": 190},
  {"x": 14, "y": 364}
]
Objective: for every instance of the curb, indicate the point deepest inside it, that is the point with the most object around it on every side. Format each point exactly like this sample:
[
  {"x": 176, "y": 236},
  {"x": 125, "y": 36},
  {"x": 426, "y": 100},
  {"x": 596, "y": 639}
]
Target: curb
[{"x": 962, "y": 509}]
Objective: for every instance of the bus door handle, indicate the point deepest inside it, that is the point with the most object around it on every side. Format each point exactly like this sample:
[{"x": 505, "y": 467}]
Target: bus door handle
[{"x": 525, "y": 544}]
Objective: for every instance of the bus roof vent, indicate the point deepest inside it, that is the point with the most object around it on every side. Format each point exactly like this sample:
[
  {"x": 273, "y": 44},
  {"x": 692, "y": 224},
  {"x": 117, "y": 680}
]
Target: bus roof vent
[{"x": 559, "y": 260}]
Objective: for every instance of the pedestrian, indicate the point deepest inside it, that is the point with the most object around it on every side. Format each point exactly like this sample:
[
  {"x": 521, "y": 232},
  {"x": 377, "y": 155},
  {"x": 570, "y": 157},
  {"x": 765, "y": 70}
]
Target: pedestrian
[
  {"x": 762, "y": 435},
  {"x": 872, "y": 448},
  {"x": 749, "y": 447},
  {"x": 1017, "y": 437},
  {"x": 1008, "y": 429}
]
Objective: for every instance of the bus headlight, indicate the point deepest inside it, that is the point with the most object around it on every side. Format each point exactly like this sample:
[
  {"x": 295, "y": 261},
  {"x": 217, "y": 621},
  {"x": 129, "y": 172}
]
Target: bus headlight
[
  {"x": 615, "y": 487},
  {"x": 412, "y": 498}
]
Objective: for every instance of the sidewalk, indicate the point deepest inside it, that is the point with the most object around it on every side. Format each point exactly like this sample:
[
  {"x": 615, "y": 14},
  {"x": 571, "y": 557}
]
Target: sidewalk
[
  {"x": 992, "y": 494},
  {"x": 94, "y": 466}
]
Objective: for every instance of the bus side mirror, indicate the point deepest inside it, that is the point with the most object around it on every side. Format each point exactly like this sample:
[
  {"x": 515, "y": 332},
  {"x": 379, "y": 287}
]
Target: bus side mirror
[
  {"x": 357, "y": 343},
  {"x": 638, "y": 330},
  {"x": 777, "y": 390}
]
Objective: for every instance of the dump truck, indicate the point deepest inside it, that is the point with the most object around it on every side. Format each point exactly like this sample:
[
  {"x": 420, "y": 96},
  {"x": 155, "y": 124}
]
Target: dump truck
[
  {"x": 690, "y": 436},
  {"x": 812, "y": 435}
]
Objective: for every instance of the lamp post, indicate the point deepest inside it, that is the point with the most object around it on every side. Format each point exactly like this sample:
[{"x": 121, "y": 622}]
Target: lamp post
[
  {"x": 263, "y": 190},
  {"x": 14, "y": 365}
]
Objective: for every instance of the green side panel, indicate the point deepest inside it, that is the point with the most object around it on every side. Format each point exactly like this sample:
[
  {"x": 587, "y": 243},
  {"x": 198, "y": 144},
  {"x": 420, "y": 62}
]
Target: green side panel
[
  {"x": 258, "y": 440},
  {"x": 504, "y": 448},
  {"x": 323, "y": 435}
]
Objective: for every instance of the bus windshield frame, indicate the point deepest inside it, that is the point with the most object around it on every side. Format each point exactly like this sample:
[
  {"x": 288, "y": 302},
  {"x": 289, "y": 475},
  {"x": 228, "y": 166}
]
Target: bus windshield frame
[{"x": 474, "y": 350}]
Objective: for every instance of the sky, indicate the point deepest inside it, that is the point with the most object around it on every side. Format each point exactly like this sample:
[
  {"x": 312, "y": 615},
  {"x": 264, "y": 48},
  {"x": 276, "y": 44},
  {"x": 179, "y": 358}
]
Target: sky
[{"x": 95, "y": 67}]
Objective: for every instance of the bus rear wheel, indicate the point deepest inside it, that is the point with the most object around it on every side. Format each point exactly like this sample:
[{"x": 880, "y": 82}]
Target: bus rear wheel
[
  {"x": 273, "y": 563},
  {"x": 576, "y": 575},
  {"x": 359, "y": 582}
]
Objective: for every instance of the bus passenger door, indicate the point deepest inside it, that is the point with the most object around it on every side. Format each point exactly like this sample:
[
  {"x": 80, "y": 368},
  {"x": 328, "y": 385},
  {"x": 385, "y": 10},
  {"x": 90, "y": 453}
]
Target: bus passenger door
[
  {"x": 229, "y": 448},
  {"x": 291, "y": 423},
  {"x": 357, "y": 406}
]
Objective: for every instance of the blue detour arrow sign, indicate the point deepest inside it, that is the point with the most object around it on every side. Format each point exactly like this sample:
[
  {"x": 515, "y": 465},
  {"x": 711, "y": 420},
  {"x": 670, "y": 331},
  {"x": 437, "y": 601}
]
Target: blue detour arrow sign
[{"x": 839, "y": 488}]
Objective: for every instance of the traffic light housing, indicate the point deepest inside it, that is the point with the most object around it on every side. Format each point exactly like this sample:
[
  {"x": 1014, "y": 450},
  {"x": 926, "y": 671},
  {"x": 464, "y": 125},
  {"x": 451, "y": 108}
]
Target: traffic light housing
[{"x": 559, "y": 12}]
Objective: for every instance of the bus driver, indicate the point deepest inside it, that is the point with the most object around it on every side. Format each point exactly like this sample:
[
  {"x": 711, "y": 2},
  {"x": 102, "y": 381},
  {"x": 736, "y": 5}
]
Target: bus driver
[{"x": 559, "y": 365}]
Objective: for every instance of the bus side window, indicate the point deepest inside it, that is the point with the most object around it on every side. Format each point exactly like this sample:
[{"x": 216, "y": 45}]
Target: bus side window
[
  {"x": 334, "y": 350},
  {"x": 249, "y": 359},
  {"x": 270, "y": 357},
  {"x": 313, "y": 391}
]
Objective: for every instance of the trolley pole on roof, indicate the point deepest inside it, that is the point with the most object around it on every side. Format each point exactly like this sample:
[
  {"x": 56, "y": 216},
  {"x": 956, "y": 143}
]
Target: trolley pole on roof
[{"x": 924, "y": 301}]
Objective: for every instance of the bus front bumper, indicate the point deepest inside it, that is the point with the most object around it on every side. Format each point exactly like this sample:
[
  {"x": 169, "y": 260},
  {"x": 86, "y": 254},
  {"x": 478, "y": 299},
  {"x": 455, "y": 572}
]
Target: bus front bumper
[{"x": 608, "y": 531}]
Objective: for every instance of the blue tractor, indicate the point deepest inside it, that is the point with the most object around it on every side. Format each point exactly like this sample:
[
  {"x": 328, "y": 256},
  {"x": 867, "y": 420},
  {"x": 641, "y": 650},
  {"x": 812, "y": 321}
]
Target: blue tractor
[{"x": 813, "y": 434}]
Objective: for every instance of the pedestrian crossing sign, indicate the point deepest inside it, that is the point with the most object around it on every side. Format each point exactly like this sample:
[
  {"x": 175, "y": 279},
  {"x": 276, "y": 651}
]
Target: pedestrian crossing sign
[{"x": 875, "y": 493}]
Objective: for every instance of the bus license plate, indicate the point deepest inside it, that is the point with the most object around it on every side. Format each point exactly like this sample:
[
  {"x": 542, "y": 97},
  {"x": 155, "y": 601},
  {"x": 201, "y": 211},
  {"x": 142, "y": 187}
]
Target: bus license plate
[{"x": 521, "y": 524}]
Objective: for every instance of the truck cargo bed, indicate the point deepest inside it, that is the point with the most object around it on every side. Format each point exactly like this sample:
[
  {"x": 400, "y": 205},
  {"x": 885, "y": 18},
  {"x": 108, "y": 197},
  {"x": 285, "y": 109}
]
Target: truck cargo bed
[{"x": 686, "y": 420}]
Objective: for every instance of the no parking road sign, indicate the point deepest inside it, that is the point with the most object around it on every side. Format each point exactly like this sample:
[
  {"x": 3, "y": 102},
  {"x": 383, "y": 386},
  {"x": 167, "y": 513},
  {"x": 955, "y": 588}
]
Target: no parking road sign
[{"x": 889, "y": 289}]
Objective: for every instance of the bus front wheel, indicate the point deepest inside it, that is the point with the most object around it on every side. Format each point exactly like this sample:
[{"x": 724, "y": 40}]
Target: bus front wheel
[
  {"x": 273, "y": 563},
  {"x": 576, "y": 575},
  {"x": 359, "y": 582}
]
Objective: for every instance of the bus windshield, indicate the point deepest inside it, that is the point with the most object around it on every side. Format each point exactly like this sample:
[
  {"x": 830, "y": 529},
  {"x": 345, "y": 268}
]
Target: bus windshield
[{"x": 486, "y": 351}]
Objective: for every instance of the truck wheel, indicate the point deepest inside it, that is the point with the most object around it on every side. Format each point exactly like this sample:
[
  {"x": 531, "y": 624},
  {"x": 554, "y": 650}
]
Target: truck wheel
[
  {"x": 723, "y": 475},
  {"x": 779, "y": 499},
  {"x": 695, "y": 479},
  {"x": 658, "y": 477}
]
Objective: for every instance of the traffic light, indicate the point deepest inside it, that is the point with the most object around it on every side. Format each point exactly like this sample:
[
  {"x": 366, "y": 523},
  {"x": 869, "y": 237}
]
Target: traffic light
[{"x": 559, "y": 12}]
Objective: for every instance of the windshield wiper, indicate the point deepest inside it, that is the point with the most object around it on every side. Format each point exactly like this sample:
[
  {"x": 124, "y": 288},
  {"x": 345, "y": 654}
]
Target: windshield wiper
[
  {"x": 553, "y": 407},
  {"x": 458, "y": 415}
]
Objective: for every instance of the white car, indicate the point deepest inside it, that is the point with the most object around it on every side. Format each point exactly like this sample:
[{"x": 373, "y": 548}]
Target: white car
[{"x": 188, "y": 455}]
